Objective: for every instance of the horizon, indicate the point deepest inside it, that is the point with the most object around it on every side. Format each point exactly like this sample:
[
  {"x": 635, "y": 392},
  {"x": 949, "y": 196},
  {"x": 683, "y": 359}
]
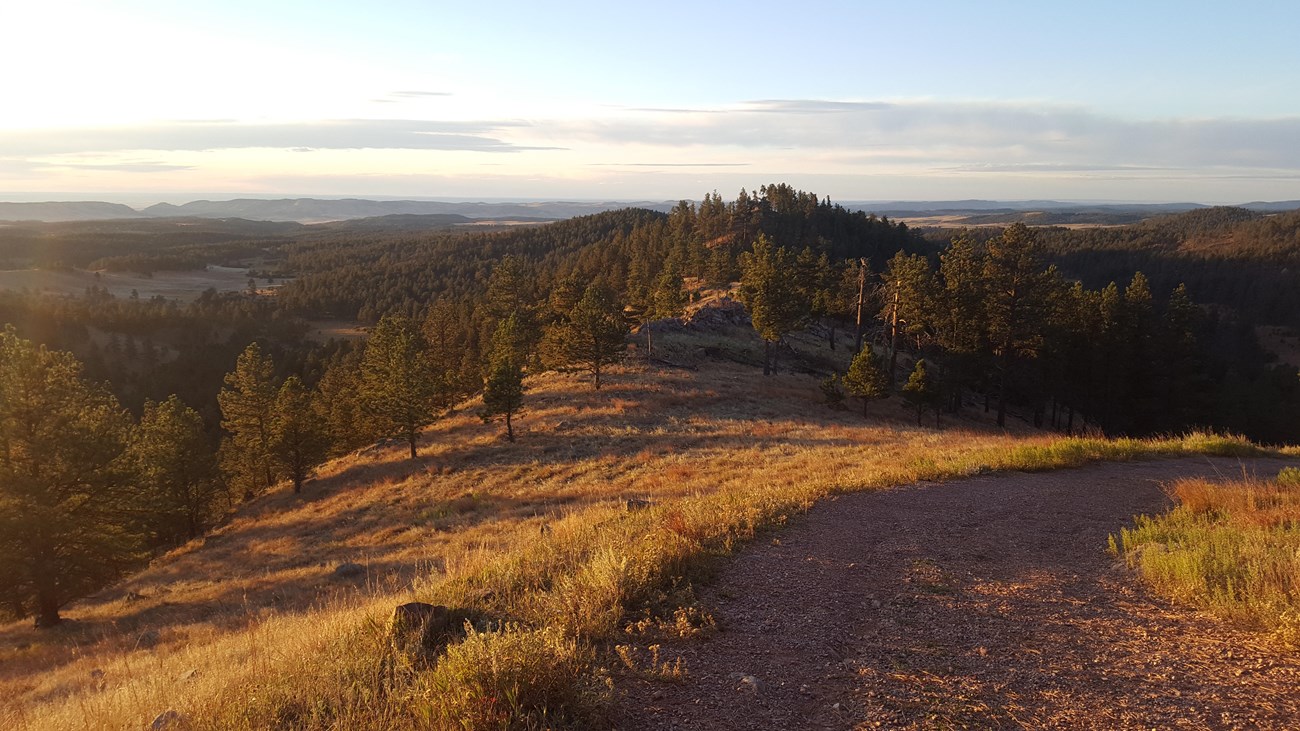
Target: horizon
[
  {"x": 142, "y": 202},
  {"x": 154, "y": 101}
]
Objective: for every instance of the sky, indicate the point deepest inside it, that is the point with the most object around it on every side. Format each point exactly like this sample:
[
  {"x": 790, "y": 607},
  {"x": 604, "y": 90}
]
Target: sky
[{"x": 142, "y": 101}]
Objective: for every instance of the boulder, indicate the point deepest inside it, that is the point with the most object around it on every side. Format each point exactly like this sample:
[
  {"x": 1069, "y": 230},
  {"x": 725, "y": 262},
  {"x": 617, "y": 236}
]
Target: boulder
[
  {"x": 349, "y": 571},
  {"x": 168, "y": 719},
  {"x": 428, "y": 628}
]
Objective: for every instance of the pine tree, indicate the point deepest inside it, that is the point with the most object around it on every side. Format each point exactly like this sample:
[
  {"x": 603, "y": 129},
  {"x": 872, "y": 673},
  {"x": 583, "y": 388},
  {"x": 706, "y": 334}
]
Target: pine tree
[
  {"x": 591, "y": 338},
  {"x": 397, "y": 386},
  {"x": 180, "y": 492},
  {"x": 63, "y": 492},
  {"x": 831, "y": 391},
  {"x": 866, "y": 378},
  {"x": 447, "y": 333},
  {"x": 772, "y": 296},
  {"x": 247, "y": 403},
  {"x": 922, "y": 392},
  {"x": 909, "y": 306},
  {"x": 348, "y": 425},
  {"x": 668, "y": 299},
  {"x": 1020, "y": 286},
  {"x": 503, "y": 387},
  {"x": 300, "y": 438}
]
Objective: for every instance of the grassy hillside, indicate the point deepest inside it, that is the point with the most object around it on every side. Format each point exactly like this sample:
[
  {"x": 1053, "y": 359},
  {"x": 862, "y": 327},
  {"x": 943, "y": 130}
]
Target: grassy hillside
[{"x": 252, "y": 628}]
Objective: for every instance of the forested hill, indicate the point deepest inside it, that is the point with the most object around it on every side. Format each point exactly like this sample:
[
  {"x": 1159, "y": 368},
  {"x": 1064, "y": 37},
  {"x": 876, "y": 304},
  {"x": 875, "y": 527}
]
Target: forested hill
[
  {"x": 1234, "y": 258},
  {"x": 364, "y": 276}
]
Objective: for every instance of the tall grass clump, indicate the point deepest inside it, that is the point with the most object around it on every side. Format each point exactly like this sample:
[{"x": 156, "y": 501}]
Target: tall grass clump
[{"x": 1232, "y": 548}]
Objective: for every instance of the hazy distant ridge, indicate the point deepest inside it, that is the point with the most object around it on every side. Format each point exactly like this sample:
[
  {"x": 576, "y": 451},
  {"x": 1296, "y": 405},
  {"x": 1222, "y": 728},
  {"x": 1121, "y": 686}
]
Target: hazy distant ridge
[
  {"x": 66, "y": 211},
  {"x": 318, "y": 210},
  {"x": 309, "y": 210}
]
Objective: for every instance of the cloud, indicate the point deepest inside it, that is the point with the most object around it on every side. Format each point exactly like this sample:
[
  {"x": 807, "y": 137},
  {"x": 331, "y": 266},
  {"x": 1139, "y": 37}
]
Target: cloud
[
  {"x": 345, "y": 134},
  {"x": 975, "y": 136},
  {"x": 417, "y": 94},
  {"x": 671, "y": 164},
  {"x": 144, "y": 166}
]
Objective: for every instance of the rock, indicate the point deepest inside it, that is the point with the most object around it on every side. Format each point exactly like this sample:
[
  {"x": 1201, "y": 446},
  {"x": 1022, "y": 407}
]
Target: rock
[
  {"x": 636, "y": 503},
  {"x": 750, "y": 684},
  {"x": 134, "y": 596},
  {"x": 168, "y": 719},
  {"x": 426, "y": 627},
  {"x": 349, "y": 571},
  {"x": 147, "y": 639},
  {"x": 410, "y": 617},
  {"x": 188, "y": 675}
]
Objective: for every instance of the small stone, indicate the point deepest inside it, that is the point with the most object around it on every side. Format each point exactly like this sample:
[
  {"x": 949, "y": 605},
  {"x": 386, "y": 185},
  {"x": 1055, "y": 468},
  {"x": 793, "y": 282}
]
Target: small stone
[
  {"x": 169, "y": 719},
  {"x": 147, "y": 639},
  {"x": 751, "y": 684},
  {"x": 349, "y": 571},
  {"x": 190, "y": 674}
]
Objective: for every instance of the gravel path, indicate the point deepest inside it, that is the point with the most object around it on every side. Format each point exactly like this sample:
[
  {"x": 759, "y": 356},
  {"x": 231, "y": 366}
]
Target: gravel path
[{"x": 984, "y": 603}]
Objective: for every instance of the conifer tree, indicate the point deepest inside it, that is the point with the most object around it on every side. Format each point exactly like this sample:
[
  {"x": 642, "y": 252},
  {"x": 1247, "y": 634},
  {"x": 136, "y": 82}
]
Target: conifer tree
[
  {"x": 1020, "y": 286},
  {"x": 503, "y": 386},
  {"x": 666, "y": 299},
  {"x": 591, "y": 338},
  {"x": 63, "y": 491},
  {"x": 771, "y": 295},
  {"x": 447, "y": 333},
  {"x": 301, "y": 441},
  {"x": 180, "y": 492},
  {"x": 922, "y": 392},
  {"x": 866, "y": 378},
  {"x": 247, "y": 404},
  {"x": 397, "y": 386},
  {"x": 347, "y": 423}
]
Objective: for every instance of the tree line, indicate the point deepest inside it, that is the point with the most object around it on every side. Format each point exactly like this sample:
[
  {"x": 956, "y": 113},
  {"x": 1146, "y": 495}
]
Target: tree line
[
  {"x": 986, "y": 322},
  {"x": 87, "y": 492}
]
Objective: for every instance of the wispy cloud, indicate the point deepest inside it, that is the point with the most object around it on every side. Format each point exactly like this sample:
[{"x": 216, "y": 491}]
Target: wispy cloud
[
  {"x": 416, "y": 94},
  {"x": 950, "y": 135},
  {"x": 144, "y": 166},
  {"x": 345, "y": 134},
  {"x": 670, "y": 164}
]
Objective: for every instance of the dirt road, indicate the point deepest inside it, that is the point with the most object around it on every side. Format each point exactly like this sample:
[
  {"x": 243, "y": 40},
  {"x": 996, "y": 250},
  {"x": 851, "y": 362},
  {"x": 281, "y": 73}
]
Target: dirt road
[{"x": 983, "y": 603}]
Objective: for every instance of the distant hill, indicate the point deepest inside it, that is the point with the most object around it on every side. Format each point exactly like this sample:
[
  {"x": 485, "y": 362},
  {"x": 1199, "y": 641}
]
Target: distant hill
[
  {"x": 322, "y": 210},
  {"x": 317, "y": 210},
  {"x": 54, "y": 211},
  {"x": 1035, "y": 212},
  {"x": 1267, "y": 206}
]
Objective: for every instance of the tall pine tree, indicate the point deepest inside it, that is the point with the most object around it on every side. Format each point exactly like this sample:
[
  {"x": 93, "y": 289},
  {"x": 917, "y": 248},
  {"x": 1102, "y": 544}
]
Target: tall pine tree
[
  {"x": 503, "y": 385},
  {"x": 592, "y": 337},
  {"x": 247, "y": 409},
  {"x": 398, "y": 387},
  {"x": 64, "y": 494}
]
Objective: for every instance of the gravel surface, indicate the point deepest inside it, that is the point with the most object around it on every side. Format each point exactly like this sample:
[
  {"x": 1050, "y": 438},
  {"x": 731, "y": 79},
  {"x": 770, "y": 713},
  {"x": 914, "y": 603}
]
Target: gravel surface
[{"x": 989, "y": 602}]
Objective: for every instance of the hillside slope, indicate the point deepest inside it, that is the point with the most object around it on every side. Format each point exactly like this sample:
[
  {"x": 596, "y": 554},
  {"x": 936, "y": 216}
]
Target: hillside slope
[{"x": 255, "y": 626}]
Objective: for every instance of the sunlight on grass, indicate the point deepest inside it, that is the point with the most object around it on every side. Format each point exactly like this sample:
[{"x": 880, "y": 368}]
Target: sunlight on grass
[
  {"x": 535, "y": 537},
  {"x": 1232, "y": 548}
]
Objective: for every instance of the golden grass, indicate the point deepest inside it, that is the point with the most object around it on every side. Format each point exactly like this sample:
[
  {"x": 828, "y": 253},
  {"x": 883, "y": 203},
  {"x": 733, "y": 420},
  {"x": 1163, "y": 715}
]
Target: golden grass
[
  {"x": 532, "y": 535},
  {"x": 1231, "y": 547}
]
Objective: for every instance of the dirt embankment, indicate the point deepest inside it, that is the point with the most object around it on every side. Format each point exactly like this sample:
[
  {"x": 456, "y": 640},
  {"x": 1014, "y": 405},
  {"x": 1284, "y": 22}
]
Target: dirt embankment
[{"x": 983, "y": 603}]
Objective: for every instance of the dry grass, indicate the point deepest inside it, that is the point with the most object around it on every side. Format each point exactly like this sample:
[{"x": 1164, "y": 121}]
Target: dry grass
[
  {"x": 250, "y": 629},
  {"x": 1232, "y": 548}
]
